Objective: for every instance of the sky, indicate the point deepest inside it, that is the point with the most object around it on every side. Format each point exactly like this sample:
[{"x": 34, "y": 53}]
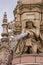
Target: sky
[{"x": 7, "y": 6}]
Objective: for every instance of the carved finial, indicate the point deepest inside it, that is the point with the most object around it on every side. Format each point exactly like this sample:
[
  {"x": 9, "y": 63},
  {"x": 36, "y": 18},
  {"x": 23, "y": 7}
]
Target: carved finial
[
  {"x": 5, "y": 15},
  {"x": 5, "y": 18},
  {"x": 5, "y": 28}
]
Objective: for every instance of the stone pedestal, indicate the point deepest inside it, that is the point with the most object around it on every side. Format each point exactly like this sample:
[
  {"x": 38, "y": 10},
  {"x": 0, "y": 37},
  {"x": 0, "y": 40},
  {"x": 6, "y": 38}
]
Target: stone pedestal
[{"x": 28, "y": 60}]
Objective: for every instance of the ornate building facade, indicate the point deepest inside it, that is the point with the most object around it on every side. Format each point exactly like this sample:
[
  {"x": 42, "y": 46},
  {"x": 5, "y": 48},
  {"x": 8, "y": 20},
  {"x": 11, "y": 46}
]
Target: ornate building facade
[{"x": 22, "y": 38}]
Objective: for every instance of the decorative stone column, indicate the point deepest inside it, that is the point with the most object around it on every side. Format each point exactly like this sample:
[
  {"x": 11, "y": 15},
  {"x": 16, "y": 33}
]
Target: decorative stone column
[
  {"x": 5, "y": 51},
  {"x": 5, "y": 28}
]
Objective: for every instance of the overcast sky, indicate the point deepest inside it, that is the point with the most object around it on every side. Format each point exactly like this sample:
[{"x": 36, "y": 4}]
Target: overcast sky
[{"x": 6, "y": 6}]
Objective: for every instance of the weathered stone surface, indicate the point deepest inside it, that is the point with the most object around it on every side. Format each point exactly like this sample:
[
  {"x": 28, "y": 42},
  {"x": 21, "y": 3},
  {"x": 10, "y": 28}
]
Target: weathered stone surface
[{"x": 22, "y": 39}]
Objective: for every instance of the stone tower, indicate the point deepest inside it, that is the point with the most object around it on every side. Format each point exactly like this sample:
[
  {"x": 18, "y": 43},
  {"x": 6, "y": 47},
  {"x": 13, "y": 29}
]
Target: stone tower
[{"x": 5, "y": 52}]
